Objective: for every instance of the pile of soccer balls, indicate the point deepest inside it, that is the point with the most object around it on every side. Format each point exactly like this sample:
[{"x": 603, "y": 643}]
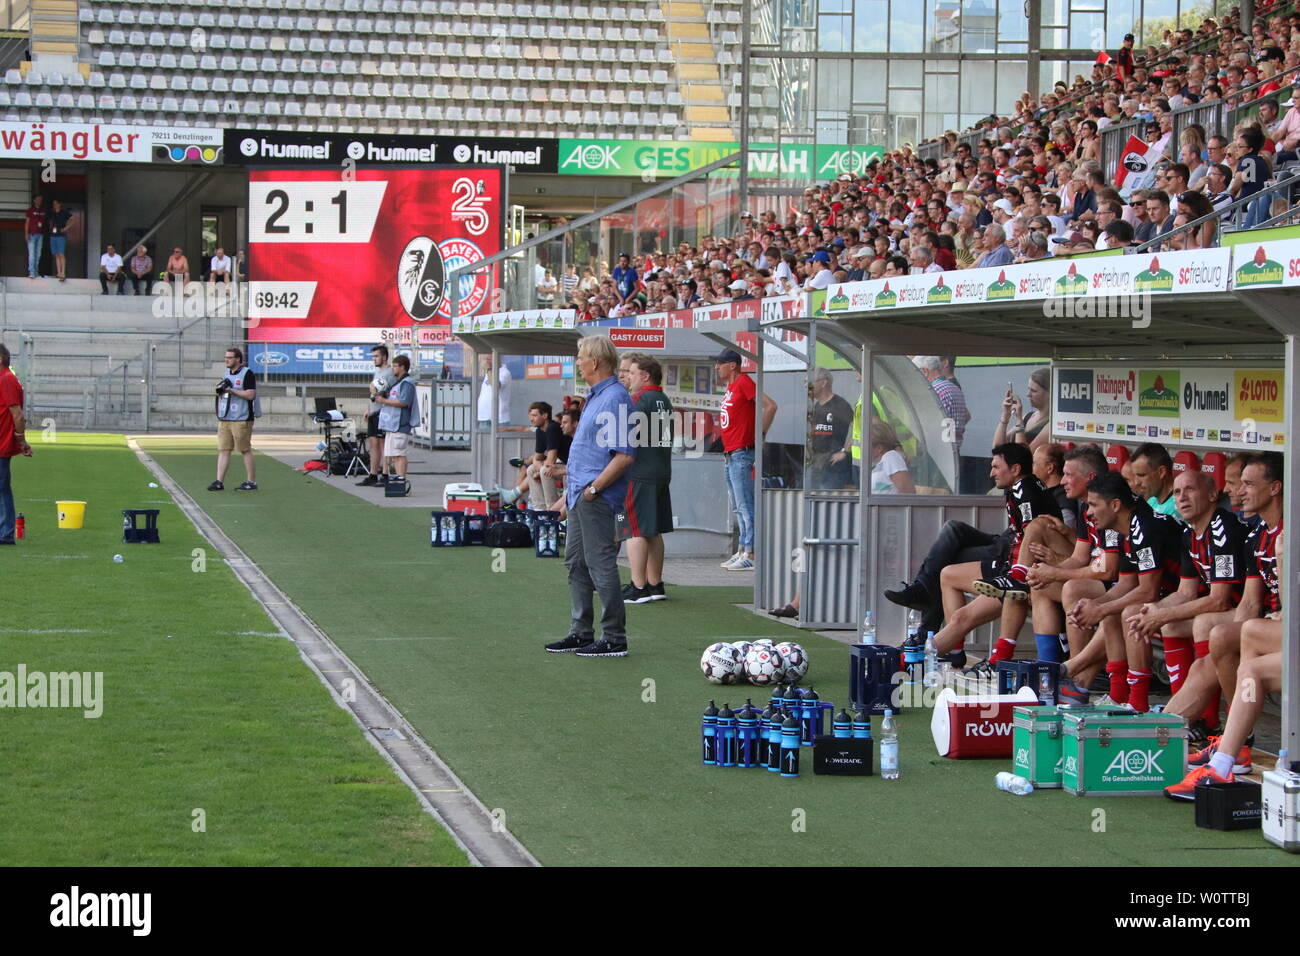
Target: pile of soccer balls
[{"x": 760, "y": 662}]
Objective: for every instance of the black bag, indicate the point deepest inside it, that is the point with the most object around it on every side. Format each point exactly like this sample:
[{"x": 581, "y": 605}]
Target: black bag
[
  {"x": 396, "y": 487},
  {"x": 509, "y": 534}
]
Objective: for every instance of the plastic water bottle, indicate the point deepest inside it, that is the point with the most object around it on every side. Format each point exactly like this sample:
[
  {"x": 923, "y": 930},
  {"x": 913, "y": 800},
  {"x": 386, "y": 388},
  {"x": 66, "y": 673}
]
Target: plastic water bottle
[
  {"x": 1014, "y": 783},
  {"x": 888, "y": 748},
  {"x": 868, "y": 628},
  {"x": 1283, "y": 762},
  {"x": 913, "y": 623},
  {"x": 931, "y": 678}
]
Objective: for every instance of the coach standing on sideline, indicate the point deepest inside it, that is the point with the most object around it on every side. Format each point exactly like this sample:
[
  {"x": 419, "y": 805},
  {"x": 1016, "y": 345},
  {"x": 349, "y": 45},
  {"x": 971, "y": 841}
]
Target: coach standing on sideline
[
  {"x": 594, "y": 491},
  {"x": 13, "y": 442},
  {"x": 647, "y": 512},
  {"x": 379, "y": 385},
  {"x": 236, "y": 393}
]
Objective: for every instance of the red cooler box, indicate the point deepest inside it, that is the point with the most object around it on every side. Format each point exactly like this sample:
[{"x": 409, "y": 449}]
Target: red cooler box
[{"x": 978, "y": 725}]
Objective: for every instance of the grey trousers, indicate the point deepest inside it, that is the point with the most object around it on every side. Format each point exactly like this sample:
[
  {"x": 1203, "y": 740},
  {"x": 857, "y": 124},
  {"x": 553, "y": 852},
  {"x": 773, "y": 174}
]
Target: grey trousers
[{"x": 591, "y": 555}]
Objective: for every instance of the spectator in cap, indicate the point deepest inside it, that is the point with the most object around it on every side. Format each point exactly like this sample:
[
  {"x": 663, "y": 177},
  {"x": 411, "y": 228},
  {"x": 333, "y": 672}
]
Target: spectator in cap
[
  {"x": 738, "y": 420},
  {"x": 821, "y": 277}
]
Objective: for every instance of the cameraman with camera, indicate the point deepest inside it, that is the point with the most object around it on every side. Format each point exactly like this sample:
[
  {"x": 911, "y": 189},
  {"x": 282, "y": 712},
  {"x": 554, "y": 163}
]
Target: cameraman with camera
[{"x": 236, "y": 409}]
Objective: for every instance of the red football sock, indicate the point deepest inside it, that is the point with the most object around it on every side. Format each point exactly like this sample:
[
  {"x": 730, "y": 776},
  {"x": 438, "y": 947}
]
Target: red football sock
[
  {"x": 1178, "y": 659},
  {"x": 1139, "y": 686},
  {"x": 1019, "y": 572},
  {"x": 1118, "y": 673},
  {"x": 1003, "y": 650}
]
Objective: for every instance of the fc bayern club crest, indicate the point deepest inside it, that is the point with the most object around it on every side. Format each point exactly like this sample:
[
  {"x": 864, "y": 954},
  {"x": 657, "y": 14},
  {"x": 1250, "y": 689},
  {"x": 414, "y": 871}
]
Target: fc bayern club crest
[
  {"x": 421, "y": 277},
  {"x": 473, "y": 287}
]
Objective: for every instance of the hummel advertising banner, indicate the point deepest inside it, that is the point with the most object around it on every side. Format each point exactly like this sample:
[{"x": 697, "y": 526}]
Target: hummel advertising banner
[
  {"x": 1218, "y": 407},
  {"x": 365, "y": 257},
  {"x": 256, "y": 147}
]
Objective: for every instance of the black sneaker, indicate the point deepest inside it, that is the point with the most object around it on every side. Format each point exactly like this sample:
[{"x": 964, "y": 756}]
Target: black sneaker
[
  {"x": 516, "y": 463},
  {"x": 913, "y": 596},
  {"x": 383, "y": 479},
  {"x": 656, "y": 591},
  {"x": 216, "y": 486},
  {"x": 1100, "y": 684},
  {"x": 957, "y": 659},
  {"x": 635, "y": 595},
  {"x": 1199, "y": 734},
  {"x": 984, "y": 670},
  {"x": 603, "y": 648},
  {"x": 569, "y": 644},
  {"x": 1002, "y": 586},
  {"x": 247, "y": 486},
  {"x": 368, "y": 481}
]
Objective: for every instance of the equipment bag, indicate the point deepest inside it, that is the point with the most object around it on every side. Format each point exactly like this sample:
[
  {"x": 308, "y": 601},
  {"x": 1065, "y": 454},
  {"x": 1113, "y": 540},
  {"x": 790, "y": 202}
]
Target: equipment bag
[{"x": 509, "y": 534}]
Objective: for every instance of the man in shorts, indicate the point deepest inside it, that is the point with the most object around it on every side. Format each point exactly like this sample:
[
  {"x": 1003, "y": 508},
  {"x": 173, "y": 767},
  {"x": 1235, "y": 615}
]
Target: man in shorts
[
  {"x": 399, "y": 413},
  {"x": 379, "y": 385},
  {"x": 236, "y": 398},
  {"x": 647, "y": 512}
]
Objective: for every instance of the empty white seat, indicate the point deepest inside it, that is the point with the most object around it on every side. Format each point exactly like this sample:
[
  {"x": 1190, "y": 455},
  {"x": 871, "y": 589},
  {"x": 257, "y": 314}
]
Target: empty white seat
[
  {"x": 86, "y": 101},
  {"x": 117, "y": 37},
  {"x": 158, "y": 82},
  {"x": 269, "y": 65},
  {"x": 166, "y": 18},
  {"x": 220, "y": 84},
  {"x": 179, "y": 83},
  {"x": 190, "y": 105},
  {"x": 301, "y": 88},
  {"x": 199, "y": 83},
  {"x": 107, "y": 58},
  {"x": 44, "y": 100},
  {"x": 261, "y": 85},
  {"x": 189, "y": 62},
  {"x": 117, "y": 81}
]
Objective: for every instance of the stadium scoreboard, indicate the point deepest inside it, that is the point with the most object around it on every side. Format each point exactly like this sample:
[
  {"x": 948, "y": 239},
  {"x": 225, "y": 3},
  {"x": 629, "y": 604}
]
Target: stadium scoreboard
[{"x": 359, "y": 255}]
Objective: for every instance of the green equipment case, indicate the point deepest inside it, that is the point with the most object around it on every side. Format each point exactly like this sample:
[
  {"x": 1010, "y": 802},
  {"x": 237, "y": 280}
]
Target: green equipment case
[
  {"x": 1036, "y": 745},
  {"x": 1122, "y": 754}
]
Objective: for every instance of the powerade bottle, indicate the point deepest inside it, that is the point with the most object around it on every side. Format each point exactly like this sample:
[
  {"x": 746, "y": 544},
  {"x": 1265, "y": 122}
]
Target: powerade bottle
[
  {"x": 764, "y": 731},
  {"x": 842, "y": 725},
  {"x": 888, "y": 748},
  {"x": 861, "y": 726},
  {"x": 790, "y": 747},
  {"x": 746, "y": 735},
  {"x": 709, "y": 735},
  {"x": 777, "y": 700},
  {"x": 726, "y": 737},
  {"x": 774, "y": 731},
  {"x": 812, "y": 715}
]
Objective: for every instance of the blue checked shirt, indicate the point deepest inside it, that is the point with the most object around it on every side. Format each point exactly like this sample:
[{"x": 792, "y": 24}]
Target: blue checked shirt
[
  {"x": 604, "y": 429},
  {"x": 954, "y": 404}
]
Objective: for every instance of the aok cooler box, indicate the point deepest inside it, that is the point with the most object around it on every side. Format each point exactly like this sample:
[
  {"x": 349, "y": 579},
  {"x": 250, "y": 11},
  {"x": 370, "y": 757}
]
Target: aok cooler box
[
  {"x": 1122, "y": 755},
  {"x": 1037, "y": 739}
]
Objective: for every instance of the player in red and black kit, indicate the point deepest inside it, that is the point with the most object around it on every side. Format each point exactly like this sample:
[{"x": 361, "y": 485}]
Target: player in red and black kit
[
  {"x": 1247, "y": 650},
  {"x": 1212, "y": 572},
  {"x": 1150, "y": 559},
  {"x": 1027, "y": 499}
]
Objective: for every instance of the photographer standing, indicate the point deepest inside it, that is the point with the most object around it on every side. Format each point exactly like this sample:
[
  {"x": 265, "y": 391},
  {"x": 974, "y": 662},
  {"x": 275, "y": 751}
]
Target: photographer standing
[
  {"x": 236, "y": 395},
  {"x": 399, "y": 414}
]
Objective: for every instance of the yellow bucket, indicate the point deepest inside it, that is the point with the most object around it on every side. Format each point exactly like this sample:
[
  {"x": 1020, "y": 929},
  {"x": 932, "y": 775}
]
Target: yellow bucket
[{"x": 71, "y": 514}]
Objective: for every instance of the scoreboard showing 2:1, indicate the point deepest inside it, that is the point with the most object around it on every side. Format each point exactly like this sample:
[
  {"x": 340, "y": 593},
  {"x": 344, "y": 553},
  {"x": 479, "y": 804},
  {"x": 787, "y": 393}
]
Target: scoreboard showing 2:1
[{"x": 348, "y": 258}]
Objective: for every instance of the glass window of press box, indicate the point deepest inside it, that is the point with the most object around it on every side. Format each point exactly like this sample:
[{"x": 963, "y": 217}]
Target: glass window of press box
[{"x": 916, "y": 78}]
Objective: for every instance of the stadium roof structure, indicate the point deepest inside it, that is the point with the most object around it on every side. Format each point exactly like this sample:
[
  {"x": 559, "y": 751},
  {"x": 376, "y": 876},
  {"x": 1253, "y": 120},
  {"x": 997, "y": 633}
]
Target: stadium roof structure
[{"x": 1250, "y": 325}]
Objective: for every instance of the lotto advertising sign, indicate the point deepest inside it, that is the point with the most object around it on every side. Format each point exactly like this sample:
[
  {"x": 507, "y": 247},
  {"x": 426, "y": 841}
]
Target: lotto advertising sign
[
  {"x": 365, "y": 257},
  {"x": 1212, "y": 406}
]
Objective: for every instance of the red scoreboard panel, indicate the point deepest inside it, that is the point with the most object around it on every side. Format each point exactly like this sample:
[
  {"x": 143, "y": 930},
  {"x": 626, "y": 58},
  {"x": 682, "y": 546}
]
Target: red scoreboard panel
[{"x": 363, "y": 256}]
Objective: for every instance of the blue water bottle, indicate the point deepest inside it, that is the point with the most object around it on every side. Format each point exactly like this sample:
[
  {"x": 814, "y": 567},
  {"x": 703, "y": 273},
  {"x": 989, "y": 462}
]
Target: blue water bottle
[
  {"x": 708, "y": 734},
  {"x": 812, "y": 716},
  {"x": 790, "y": 747},
  {"x": 774, "y": 731},
  {"x": 861, "y": 725},
  {"x": 842, "y": 725},
  {"x": 763, "y": 730},
  {"x": 747, "y": 735},
  {"x": 777, "y": 700},
  {"x": 726, "y": 737}
]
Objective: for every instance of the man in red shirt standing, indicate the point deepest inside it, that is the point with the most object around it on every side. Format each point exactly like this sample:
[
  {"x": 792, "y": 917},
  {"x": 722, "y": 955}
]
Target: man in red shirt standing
[
  {"x": 35, "y": 235},
  {"x": 737, "y": 420},
  {"x": 13, "y": 441}
]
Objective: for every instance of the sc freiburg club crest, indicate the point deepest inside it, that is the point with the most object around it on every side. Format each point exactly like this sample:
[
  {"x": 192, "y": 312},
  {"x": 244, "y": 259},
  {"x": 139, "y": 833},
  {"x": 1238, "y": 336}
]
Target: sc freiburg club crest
[
  {"x": 1135, "y": 162},
  {"x": 421, "y": 277}
]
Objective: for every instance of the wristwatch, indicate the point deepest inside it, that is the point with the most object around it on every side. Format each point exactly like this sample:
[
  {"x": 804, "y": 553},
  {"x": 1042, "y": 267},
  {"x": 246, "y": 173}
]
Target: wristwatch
[{"x": 592, "y": 489}]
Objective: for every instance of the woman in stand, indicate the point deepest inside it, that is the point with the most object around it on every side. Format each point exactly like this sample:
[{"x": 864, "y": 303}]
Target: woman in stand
[
  {"x": 59, "y": 219},
  {"x": 1013, "y": 425}
]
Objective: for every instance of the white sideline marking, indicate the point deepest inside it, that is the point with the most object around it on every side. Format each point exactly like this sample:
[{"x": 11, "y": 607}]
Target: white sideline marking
[{"x": 20, "y": 630}]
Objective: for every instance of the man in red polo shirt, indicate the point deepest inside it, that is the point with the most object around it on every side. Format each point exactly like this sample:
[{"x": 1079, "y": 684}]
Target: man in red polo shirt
[
  {"x": 13, "y": 441},
  {"x": 737, "y": 422}
]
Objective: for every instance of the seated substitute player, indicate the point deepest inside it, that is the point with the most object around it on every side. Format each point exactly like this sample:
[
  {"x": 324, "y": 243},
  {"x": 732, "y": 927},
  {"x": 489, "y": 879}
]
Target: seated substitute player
[
  {"x": 1218, "y": 636},
  {"x": 1153, "y": 478},
  {"x": 1260, "y": 673},
  {"x": 1213, "y": 570},
  {"x": 542, "y": 495},
  {"x": 1050, "y": 536},
  {"x": 1150, "y": 558},
  {"x": 1090, "y": 568},
  {"x": 1027, "y": 500}
]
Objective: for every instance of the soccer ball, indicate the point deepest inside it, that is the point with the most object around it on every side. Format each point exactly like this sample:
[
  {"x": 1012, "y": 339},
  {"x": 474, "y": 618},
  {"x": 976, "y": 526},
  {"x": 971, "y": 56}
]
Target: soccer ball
[
  {"x": 764, "y": 642},
  {"x": 721, "y": 664},
  {"x": 796, "y": 660},
  {"x": 763, "y": 665},
  {"x": 742, "y": 648}
]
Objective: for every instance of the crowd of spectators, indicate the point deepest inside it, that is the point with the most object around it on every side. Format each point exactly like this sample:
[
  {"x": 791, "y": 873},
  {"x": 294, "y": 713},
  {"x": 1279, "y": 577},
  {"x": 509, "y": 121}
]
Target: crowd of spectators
[{"x": 1033, "y": 188}]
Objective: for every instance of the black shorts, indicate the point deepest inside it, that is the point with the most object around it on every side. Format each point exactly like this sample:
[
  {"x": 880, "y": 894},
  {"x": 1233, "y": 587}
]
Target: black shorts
[
  {"x": 372, "y": 426},
  {"x": 647, "y": 511}
]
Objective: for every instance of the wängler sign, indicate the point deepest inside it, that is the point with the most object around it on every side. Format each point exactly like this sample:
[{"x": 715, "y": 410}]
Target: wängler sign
[{"x": 1204, "y": 270}]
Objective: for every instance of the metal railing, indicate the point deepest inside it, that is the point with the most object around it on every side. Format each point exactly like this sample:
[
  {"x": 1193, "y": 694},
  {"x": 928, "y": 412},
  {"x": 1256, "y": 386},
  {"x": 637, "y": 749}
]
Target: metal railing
[{"x": 1236, "y": 211}]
